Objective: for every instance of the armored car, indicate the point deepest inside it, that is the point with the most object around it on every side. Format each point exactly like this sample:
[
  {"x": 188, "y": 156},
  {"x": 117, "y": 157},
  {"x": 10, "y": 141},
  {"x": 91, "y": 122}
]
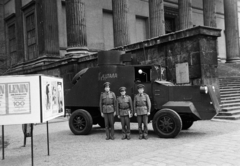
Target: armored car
[{"x": 174, "y": 107}]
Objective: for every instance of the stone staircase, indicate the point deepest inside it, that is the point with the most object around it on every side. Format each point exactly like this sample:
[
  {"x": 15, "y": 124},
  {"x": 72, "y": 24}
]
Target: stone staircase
[{"x": 230, "y": 98}]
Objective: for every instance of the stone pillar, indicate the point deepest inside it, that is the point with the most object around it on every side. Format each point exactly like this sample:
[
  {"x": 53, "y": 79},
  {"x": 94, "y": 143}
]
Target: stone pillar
[
  {"x": 156, "y": 16},
  {"x": 120, "y": 22},
  {"x": 76, "y": 27},
  {"x": 231, "y": 30},
  {"x": 209, "y": 13},
  {"x": 185, "y": 14},
  {"x": 47, "y": 22}
]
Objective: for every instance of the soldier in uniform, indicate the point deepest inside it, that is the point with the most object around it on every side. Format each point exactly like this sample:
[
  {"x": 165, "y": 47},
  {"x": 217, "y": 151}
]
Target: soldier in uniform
[
  {"x": 142, "y": 107},
  {"x": 124, "y": 111},
  {"x": 107, "y": 106}
]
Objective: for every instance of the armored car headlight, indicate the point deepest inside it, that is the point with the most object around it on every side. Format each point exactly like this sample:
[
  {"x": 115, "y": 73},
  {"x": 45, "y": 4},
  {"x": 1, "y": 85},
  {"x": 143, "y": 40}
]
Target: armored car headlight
[
  {"x": 213, "y": 87},
  {"x": 204, "y": 89}
]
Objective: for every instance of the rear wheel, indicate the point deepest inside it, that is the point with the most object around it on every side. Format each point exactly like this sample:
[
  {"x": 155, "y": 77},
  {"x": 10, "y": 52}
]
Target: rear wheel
[
  {"x": 167, "y": 123},
  {"x": 186, "y": 124},
  {"x": 80, "y": 122}
]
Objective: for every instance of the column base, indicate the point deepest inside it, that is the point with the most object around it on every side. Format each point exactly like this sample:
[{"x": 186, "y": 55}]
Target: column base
[
  {"x": 81, "y": 51},
  {"x": 233, "y": 60}
]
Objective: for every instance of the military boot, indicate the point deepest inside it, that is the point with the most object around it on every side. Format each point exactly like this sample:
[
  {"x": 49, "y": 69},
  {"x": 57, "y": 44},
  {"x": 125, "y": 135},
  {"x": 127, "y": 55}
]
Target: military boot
[{"x": 123, "y": 136}]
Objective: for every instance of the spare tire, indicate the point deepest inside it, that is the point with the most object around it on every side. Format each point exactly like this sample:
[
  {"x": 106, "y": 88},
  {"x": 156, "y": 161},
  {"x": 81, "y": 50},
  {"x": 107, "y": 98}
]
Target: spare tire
[
  {"x": 167, "y": 123},
  {"x": 80, "y": 122}
]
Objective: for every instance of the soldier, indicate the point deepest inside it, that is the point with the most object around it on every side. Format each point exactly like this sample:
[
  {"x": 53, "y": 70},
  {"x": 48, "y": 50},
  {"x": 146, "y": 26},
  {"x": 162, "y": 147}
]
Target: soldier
[
  {"x": 107, "y": 106},
  {"x": 124, "y": 111},
  {"x": 142, "y": 107}
]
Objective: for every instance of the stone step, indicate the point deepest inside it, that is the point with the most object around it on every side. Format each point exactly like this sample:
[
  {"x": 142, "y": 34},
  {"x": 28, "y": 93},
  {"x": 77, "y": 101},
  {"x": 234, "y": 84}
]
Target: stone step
[
  {"x": 229, "y": 113},
  {"x": 229, "y": 91},
  {"x": 229, "y": 87},
  {"x": 230, "y": 95},
  {"x": 229, "y": 84},
  {"x": 230, "y": 105},
  {"x": 230, "y": 98},
  {"x": 230, "y": 101},
  {"x": 233, "y": 117},
  {"x": 233, "y": 108}
]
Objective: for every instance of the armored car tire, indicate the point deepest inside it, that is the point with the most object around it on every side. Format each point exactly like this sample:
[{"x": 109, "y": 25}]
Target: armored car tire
[
  {"x": 80, "y": 122},
  {"x": 167, "y": 123},
  {"x": 186, "y": 124}
]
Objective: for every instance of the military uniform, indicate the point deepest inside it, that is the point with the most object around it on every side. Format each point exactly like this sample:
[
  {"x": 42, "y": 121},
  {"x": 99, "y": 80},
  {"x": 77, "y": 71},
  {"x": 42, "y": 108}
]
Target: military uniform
[
  {"x": 142, "y": 107},
  {"x": 107, "y": 106},
  {"x": 124, "y": 110}
]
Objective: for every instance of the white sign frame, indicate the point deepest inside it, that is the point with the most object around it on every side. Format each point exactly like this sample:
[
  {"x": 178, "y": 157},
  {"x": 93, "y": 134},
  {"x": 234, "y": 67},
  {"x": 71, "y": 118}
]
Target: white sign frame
[{"x": 21, "y": 99}]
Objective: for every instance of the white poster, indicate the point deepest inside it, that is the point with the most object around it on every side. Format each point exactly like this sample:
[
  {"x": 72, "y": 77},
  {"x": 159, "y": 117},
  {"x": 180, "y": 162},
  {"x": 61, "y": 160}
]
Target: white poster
[
  {"x": 3, "y": 109},
  {"x": 30, "y": 99},
  {"x": 53, "y": 99},
  {"x": 19, "y": 98}
]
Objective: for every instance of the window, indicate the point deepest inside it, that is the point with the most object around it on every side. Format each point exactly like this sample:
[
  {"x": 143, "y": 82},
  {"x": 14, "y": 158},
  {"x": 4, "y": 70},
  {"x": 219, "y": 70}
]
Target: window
[
  {"x": 31, "y": 36},
  {"x": 30, "y": 32},
  {"x": 108, "y": 29},
  {"x": 171, "y": 23},
  {"x": 11, "y": 40},
  {"x": 142, "y": 74},
  {"x": 141, "y": 28}
]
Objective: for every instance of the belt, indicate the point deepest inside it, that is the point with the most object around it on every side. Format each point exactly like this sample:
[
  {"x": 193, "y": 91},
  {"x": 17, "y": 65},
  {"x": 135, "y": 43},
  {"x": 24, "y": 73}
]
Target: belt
[
  {"x": 124, "y": 108},
  {"x": 108, "y": 105},
  {"x": 142, "y": 106}
]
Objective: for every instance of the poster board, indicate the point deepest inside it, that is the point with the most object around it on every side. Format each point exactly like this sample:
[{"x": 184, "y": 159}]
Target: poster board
[
  {"x": 22, "y": 100},
  {"x": 52, "y": 98},
  {"x": 182, "y": 73}
]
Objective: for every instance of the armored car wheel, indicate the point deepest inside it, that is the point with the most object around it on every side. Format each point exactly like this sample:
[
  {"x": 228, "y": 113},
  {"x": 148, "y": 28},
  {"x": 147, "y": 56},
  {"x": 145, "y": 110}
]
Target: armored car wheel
[
  {"x": 186, "y": 124},
  {"x": 80, "y": 122},
  {"x": 167, "y": 123}
]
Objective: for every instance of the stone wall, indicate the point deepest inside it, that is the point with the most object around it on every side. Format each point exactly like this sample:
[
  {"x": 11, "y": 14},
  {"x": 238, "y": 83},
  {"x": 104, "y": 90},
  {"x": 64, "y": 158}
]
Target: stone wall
[{"x": 197, "y": 46}]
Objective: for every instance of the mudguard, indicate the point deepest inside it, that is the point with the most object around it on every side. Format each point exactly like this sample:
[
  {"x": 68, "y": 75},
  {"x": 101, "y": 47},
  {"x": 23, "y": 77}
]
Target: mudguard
[{"x": 182, "y": 107}]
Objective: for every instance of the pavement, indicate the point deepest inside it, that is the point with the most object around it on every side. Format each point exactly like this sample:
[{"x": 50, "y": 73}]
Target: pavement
[
  {"x": 206, "y": 143},
  {"x": 221, "y": 150}
]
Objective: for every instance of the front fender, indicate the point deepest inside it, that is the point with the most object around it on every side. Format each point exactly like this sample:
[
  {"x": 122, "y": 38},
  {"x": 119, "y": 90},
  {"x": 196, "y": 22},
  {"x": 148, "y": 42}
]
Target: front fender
[{"x": 182, "y": 107}]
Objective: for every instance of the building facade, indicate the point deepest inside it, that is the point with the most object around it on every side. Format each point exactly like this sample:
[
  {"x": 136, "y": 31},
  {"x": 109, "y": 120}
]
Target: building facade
[{"x": 37, "y": 31}]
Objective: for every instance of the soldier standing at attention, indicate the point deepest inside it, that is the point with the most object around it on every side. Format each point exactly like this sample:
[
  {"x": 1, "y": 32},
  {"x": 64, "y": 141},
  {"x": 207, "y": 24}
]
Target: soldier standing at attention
[
  {"x": 124, "y": 111},
  {"x": 107, "y": 106},
  {"x": 142, "y": 107}
]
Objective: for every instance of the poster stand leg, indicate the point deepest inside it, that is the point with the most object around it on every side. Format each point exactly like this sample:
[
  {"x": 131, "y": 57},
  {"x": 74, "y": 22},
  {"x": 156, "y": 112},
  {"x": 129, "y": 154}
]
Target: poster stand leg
[
  {"x": 24, "y": 133},
  {"x": 48, "y": 140},
  {"x": 2, "y": 142},
  {"x": 32, "y": 144}
]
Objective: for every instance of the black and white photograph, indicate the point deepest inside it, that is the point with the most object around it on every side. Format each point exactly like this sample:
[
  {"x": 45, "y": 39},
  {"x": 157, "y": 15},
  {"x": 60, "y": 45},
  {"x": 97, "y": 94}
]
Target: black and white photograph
[{"x": 119, "y": 82}]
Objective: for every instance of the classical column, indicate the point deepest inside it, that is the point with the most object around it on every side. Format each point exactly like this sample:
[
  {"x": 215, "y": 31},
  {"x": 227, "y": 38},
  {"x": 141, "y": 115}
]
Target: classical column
[
  {"x": 209, "y": 13},
  {"x": 47, "y": 22},
  {"x": 120, "y": 22},
  {"x": 231, "y": 30},
  {"x": 76, "y": 27},
  {"x": 185, "y": 14},
  {"x": 156, "y": 16}
]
